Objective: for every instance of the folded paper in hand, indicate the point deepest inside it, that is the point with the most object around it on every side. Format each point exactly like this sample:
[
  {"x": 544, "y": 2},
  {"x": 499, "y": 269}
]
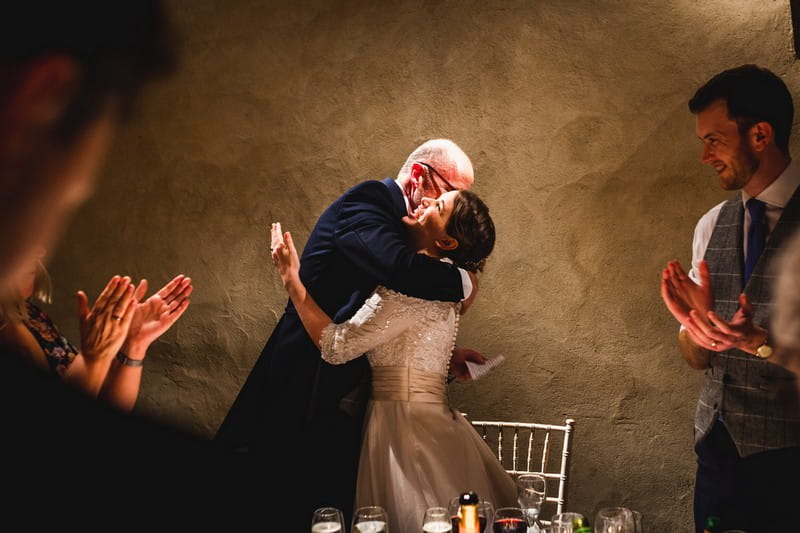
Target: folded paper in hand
[{"x": 477, "y": 371}]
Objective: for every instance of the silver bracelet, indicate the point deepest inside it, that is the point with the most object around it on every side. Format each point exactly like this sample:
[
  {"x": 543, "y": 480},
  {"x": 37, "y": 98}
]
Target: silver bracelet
[{"x": 125, "y": 360}]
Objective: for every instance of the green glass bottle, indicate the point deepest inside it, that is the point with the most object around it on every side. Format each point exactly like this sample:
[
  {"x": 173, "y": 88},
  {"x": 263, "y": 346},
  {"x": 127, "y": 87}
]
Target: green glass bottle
[
  {"x": 713, "y": 524},
  {"x": 581, "y": 525}
]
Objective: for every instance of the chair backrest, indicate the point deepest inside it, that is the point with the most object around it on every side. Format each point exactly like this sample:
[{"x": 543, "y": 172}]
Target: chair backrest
[{"x": 530, "y": 448}]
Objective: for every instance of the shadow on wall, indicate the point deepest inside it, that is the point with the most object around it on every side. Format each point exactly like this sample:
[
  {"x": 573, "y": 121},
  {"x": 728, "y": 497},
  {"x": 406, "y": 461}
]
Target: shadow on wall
[{"x": 633, "y": 220}]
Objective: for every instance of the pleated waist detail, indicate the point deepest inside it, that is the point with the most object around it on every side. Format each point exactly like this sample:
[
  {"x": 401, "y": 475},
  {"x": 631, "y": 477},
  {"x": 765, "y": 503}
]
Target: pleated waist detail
[{"x": 405, "y": 384}]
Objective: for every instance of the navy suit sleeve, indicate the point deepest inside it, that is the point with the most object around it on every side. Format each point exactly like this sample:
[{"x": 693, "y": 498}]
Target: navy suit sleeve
[{"x": 371, "y": 235}]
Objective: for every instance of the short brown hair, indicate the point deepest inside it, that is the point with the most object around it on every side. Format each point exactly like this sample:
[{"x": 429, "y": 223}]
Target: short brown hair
[{"x": 753, "y": 94}]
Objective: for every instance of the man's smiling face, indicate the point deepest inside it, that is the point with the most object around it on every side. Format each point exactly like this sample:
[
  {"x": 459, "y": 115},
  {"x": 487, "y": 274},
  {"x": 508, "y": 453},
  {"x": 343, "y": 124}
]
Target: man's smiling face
[{"x": 724, "y": 147}]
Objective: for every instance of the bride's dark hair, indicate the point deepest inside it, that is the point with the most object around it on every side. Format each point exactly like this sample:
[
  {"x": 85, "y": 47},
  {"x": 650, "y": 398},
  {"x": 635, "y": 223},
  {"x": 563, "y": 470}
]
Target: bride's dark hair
[{"x": 472, "y": 226}]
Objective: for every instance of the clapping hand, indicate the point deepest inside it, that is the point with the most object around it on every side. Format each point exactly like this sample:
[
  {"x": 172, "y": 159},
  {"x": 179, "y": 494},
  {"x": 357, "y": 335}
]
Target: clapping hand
[
  {"x": 693, "y": 306},
  {"x": 155, "y": 315},
  {"x": 740, "y": 332},
  {"x": 681, "y": 294},
  {"x": 688, "y": 302},
  {"x": 104, "y": 327}
]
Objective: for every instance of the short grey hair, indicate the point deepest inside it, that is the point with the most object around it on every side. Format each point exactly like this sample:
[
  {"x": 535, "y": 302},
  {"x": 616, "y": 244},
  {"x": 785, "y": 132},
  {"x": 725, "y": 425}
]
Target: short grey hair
[{"x": 439, "y": 153}]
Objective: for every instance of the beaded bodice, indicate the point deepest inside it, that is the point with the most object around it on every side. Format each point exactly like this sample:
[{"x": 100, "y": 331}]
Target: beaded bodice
[{"x": 395, "y": 330}]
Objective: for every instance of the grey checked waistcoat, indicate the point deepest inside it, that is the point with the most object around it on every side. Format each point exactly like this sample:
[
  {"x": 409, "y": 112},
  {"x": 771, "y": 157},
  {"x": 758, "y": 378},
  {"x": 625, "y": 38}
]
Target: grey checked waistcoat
[{"x": 755, "y": 398}]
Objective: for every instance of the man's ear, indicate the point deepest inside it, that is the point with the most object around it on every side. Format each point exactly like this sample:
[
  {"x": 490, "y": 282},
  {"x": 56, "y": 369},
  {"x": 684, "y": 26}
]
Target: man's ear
[
  {"x": 42, "y": 92},
  {"x": 761, "y": 135},
  {"x": 447, "y": 243},
  {"x": 417, "y": 171}
]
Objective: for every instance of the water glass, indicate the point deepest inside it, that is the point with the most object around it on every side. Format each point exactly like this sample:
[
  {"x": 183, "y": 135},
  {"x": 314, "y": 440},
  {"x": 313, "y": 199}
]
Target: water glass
[
  {"x": 614, "y": 520},
  {"x": 563, "y": 521},
  {"x": 327, "y": 520},
  {"x": 509, "y": 520},
  {"x": 371, "y": 519},
  {"x": 486, "y": 514},
  {"x": 637, "y": 521},
  {"x": 437, "y": 520},
  {"x": 531, "y": 492}
]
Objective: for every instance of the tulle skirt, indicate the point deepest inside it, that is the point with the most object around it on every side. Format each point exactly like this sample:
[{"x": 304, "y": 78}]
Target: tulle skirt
[{"x": 417, "y": 455}]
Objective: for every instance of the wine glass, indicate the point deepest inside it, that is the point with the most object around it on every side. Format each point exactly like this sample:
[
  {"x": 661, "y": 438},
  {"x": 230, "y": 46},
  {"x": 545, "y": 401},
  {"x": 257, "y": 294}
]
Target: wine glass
[
  {"x": 564, "y": 521},
  {"x": 510, "y": 520},
  {"x": 614, "y": 520},
  {"x": 370, "y": 519},
  {"x": 327, "y": 520},
  {"x": 531, "y": 491},
  {"x": 437, "y": 520},
  {"x": 486, "y": 514},
  {"x": 637, "y": 521}
]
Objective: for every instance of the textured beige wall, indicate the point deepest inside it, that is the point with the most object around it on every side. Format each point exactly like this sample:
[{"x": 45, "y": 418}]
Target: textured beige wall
[{"x": 575, "y": 116}]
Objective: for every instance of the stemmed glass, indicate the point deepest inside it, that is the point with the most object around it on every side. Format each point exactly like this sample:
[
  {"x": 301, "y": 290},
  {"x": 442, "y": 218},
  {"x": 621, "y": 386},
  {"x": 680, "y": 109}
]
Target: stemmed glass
[
  {"x": 510, "y": 520},
  {"x": 614, "y": 520},
  {"x": 327, "y": 520},
  {"x": 637, "y": 521},
  {"x": 486, "y": 514},
  {"x": 371, "y": 519},
  {"x": 563, "y": 522},
  {"x": 531, "y": 492},
  {"x": 437, "y": 520}
]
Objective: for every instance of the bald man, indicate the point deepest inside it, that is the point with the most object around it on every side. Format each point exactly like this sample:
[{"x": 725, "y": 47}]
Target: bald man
[{"x": 300, "y": 415}]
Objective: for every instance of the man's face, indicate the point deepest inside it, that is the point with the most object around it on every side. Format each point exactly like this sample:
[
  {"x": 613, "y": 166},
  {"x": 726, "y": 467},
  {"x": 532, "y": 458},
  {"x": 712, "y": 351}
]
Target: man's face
[
  {"x": 432, "y": 183},
  {"x": 724, "y": 147}
]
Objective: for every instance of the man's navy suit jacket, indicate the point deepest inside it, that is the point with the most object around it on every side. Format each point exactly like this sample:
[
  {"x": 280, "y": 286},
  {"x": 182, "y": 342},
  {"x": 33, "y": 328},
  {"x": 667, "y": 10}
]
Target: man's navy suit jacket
[{"x": 358, "y": 243}]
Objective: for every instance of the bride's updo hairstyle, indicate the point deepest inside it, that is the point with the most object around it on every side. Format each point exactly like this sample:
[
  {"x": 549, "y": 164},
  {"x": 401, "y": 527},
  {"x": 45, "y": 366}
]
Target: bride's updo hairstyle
[{"x": 472, "y": 226}]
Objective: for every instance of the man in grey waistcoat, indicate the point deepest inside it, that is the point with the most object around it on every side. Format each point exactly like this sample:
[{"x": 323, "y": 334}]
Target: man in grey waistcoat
[{"x": 747, "y": 424}]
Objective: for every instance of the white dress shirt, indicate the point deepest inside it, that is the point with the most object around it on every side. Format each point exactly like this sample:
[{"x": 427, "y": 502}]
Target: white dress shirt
[
  {"x": 466, "y": 283},
  {"x": 776, "y": 196}
]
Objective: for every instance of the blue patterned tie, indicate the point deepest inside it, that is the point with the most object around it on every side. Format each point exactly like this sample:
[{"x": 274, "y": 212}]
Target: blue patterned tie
[{"x": 756, "y": 235}]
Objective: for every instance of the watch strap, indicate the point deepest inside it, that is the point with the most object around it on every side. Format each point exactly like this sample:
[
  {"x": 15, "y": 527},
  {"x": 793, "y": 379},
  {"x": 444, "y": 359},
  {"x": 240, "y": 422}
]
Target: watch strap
[{"x": 123, "y": 358}]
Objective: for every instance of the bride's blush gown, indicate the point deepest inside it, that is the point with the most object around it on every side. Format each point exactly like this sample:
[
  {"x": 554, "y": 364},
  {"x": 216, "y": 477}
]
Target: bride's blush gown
[{"x": 417, "y": 452}]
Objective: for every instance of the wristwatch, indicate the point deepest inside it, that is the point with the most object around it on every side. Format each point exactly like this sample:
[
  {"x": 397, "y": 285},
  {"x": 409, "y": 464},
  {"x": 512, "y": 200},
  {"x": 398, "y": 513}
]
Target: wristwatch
[
  {"x": 765, "y": 350},
  {"x": 125, "y": 360}
]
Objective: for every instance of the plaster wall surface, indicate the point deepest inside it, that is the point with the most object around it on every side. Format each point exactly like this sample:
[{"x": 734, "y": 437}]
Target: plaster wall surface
[{"x": 574, "y": 114}]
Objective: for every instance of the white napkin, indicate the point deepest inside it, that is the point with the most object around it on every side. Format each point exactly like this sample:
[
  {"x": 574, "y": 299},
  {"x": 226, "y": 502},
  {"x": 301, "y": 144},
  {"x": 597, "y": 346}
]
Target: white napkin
[{"x": 477, "y": 371}]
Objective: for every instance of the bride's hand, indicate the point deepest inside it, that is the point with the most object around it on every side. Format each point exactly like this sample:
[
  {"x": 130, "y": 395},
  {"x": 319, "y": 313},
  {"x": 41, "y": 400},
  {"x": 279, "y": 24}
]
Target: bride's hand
[{"x": 284, "y": 255}]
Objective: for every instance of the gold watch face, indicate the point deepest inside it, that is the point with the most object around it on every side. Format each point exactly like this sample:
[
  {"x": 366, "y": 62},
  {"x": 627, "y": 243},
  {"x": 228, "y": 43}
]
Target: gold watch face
[{"x": 764, "y": 351}]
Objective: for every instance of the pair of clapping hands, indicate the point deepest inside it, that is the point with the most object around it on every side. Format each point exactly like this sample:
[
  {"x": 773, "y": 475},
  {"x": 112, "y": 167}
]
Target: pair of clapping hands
[
  {"x": 122, "y": 320},
  {"x": 692, "y": 305}
]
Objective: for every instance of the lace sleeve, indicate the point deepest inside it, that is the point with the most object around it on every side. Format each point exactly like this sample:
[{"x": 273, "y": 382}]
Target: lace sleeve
[{"x": 383, "y": 316}]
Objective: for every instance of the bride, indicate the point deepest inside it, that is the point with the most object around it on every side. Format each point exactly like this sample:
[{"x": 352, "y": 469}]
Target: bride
[{"x": 416, "y": 452}]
